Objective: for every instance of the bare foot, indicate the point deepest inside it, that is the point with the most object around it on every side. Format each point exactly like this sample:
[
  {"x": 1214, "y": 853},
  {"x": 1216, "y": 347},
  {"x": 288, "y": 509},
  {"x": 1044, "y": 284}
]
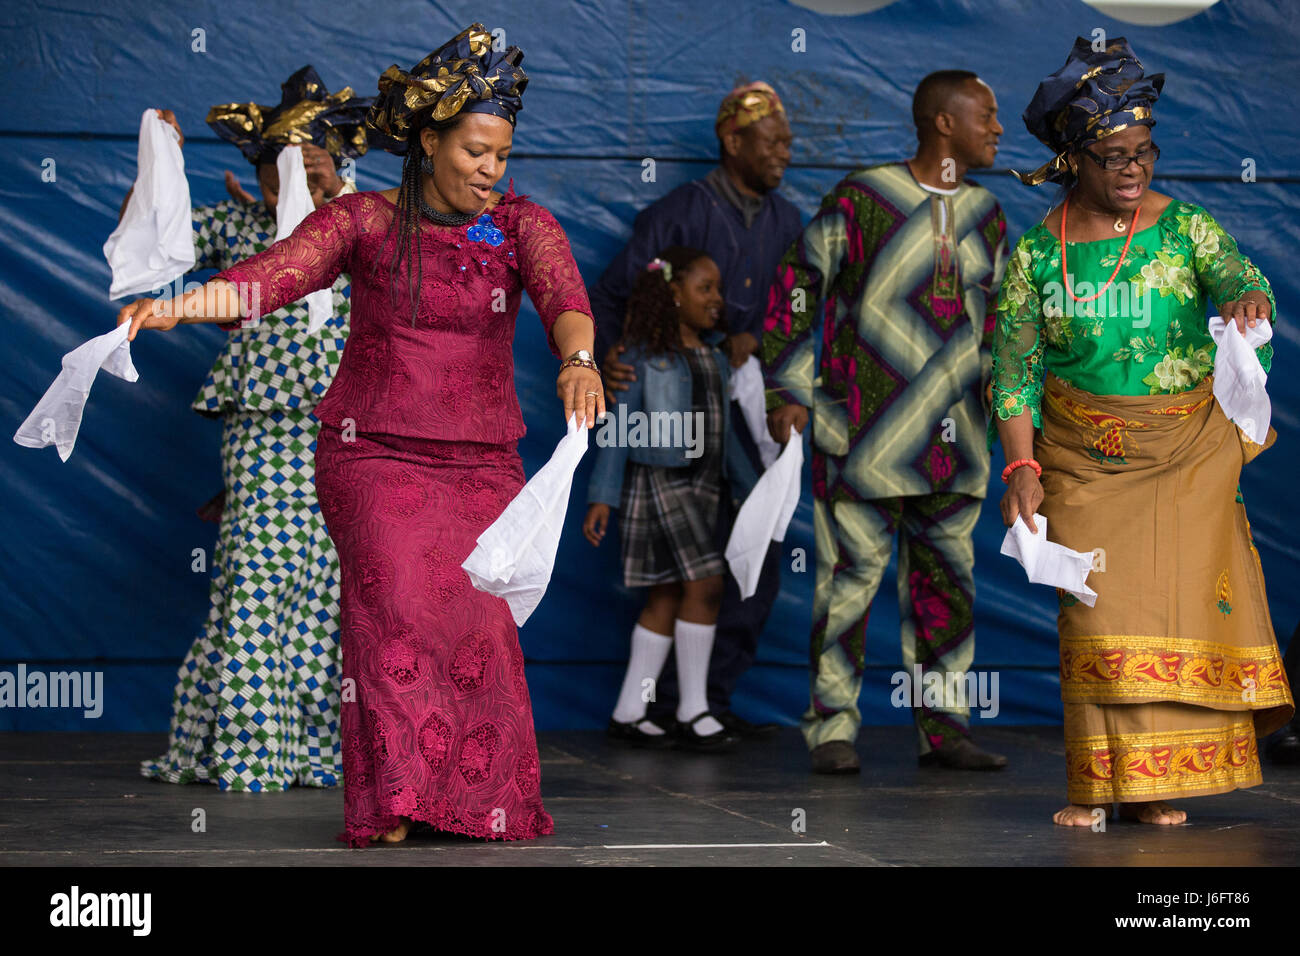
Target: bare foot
[
  {"x": 397, "y": 834},
  {"x": 1078, "y": 815},
  {"x": 1156, "y": 811}
]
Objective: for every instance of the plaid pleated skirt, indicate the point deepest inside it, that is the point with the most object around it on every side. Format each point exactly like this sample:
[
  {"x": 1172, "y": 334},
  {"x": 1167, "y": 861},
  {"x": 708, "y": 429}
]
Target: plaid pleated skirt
[{"x": 668, "y": 517}]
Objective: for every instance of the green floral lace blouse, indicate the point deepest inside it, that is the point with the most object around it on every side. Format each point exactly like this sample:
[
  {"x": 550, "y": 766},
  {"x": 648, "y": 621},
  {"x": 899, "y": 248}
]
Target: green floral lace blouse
[{"x": 1145, "y": 335}]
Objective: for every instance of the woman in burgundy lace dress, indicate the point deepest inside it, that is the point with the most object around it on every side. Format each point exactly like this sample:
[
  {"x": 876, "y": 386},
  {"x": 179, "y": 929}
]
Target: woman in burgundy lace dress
[{"x": 416, "y": 451}]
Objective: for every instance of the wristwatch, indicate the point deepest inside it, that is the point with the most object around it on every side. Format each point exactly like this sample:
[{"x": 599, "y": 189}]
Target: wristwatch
[{"x": 581, "y": 358}]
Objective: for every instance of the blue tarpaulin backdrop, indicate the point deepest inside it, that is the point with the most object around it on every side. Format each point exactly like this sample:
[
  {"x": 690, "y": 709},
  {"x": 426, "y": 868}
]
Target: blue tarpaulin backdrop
[{"x": 97, "y": 551}]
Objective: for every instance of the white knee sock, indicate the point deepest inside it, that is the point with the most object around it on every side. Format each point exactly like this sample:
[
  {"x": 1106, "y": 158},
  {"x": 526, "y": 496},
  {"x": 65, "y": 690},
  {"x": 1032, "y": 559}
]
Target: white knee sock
[
  {"x": 649, "y": 651},
  {"x": 694, "y": 645}
]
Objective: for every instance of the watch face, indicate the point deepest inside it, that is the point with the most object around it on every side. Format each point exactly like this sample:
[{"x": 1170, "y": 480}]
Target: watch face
[{"x": 582, "y": 354}]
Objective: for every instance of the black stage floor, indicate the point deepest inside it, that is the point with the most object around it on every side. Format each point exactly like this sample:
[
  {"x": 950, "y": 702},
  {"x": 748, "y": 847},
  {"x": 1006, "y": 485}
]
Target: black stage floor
[{"x": 77, "y": 799}]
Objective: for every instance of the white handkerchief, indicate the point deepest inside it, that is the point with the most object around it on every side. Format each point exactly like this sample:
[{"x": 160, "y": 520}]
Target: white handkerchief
[
  {"x": 293, "y": 206},
  {"x": 514, "y": 557},
  {"x": 747, "y": 389},
  {"x": 1047, "y": 562},
  {"x": 765, "y": 516},
  {"x": 1239, "y": 379},
  {"x": 154, "y": 242},
  {"x": 56, "y": 419}
]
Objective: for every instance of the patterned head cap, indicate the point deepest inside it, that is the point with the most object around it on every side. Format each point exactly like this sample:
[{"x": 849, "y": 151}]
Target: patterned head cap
[
  {"x": 1092, "y": 96},
  {"x": 308, "y": 113},
  {"x": 463, "y": 75},
  {"x": 745, "y": 105}
]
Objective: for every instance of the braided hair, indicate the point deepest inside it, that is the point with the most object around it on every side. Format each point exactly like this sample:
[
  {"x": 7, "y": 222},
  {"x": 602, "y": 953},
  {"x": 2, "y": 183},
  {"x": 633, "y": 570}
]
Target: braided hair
[
  {"x": 653, "y": 320},
  {"x": 407, "y": 219}
]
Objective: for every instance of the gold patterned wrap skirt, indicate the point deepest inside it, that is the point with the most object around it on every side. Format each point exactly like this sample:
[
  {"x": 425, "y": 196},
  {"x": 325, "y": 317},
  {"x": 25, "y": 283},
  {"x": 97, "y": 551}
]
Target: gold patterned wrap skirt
[{"x": 1170, "y": 678}]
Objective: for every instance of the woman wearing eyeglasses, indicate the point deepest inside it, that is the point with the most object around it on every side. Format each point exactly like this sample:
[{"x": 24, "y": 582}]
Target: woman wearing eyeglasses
[{"x": 1102, "y": 381}]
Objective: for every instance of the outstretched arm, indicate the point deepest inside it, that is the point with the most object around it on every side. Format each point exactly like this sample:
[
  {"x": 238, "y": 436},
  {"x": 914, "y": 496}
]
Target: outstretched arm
[
  {"x": 215, "y": 301},
  {"x": 310, "y": 259}
]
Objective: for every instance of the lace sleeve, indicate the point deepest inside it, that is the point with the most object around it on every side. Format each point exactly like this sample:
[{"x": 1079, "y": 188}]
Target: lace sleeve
[
  {"x": 310, "y": 259},
  {"x": 1221, "y": 270},
  {"x": 1017, "y": 341},
  {"x": 548, "y": 271}
]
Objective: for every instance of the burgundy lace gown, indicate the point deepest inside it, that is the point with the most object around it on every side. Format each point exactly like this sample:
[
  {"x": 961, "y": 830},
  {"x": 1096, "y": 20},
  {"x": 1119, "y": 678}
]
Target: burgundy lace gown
[{"x": 415, "y": 458}]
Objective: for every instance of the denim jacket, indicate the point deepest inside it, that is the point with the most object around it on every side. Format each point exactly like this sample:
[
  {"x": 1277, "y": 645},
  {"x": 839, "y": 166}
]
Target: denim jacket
[{"x": 662, "y": 386}]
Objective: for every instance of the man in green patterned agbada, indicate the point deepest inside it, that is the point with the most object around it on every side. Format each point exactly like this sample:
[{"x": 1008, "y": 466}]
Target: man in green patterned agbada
[{"x": 907, "y": 257}]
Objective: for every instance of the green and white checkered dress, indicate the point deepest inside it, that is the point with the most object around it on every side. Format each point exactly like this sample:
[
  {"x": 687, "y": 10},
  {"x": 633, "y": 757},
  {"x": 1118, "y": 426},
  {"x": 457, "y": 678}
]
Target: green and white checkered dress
[{"x": 256, "y": 705}]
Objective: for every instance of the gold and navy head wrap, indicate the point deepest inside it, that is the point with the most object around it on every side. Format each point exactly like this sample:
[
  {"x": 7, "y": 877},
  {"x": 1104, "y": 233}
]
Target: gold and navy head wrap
[
  {"x": 463, "y": 75},
  {"x": 308, "y": 113},
  {"x": 1094, "y": 95},
  {"x": 745, "y": 105}
]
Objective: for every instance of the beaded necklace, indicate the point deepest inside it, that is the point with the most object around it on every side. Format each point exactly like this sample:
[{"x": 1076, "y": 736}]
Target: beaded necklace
[
  {"x": 445, "y": 218},
  {"x": 1065, "y": 275}
]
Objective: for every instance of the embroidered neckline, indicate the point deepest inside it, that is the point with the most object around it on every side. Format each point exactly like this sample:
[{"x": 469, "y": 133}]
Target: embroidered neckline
[{"x": 1119, "y": 237}]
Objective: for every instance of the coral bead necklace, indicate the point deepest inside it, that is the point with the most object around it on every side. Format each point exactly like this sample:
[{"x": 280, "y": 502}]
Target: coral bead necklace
[{"x": 1065, "y": 276}]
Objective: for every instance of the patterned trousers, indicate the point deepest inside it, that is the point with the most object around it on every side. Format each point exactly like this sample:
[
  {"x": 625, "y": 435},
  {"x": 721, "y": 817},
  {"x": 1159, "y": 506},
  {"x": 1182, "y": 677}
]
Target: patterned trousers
[
  {"x": 256, "y": 705},
  {"x": 936, "y": 591}
]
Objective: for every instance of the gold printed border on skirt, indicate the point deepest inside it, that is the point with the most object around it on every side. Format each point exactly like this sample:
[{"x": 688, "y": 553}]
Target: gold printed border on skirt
[
  {"x": 1108, "y": 433},
  {"x": 1102, "y": 768},
  {"x": 1115, "y": 668}
]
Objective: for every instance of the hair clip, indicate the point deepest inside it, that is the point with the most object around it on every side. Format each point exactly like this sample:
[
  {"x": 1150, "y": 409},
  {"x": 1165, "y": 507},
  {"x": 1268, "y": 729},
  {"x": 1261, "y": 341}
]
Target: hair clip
[{"x": 659, "y": 265}]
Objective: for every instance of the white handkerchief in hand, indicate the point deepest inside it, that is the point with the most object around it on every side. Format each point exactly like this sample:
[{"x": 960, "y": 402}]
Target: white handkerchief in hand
[
  {"x": 514, "y": 557},
  {"x": 765, "y": 516},
  {"x": 1239, "y": 379},
  {"x": 154, "y": 242},
  {"x": 293, "y": 206},
  {"x": 747, "y": 389},
  {"x": 56, "y": 419},
  {"x": 1047, "y": 562}
]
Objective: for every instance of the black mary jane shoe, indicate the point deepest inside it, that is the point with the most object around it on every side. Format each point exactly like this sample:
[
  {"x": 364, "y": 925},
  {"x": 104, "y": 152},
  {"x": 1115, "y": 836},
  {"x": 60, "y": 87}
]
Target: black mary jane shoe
[
  {"x": 687, "y": 739},
  {"x": 630, "y": 734},
  {"x": 743, "y": 728}
]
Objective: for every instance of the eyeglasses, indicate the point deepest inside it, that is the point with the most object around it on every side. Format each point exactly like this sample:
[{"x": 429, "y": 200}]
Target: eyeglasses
[{"x": 1145, "y": 157}]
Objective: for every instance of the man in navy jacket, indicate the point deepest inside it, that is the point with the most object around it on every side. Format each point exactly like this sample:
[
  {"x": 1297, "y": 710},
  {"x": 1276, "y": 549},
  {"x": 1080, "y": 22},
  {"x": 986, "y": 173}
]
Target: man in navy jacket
[{"x": 737, "y": 217}]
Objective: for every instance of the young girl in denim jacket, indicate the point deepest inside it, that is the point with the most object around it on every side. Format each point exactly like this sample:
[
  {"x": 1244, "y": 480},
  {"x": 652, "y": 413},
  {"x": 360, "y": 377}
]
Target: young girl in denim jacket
[{"x": 666, "y": 455}]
